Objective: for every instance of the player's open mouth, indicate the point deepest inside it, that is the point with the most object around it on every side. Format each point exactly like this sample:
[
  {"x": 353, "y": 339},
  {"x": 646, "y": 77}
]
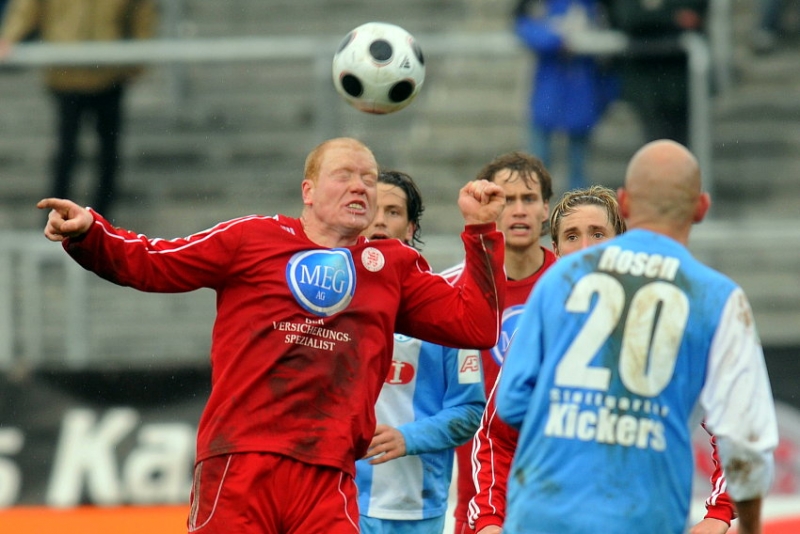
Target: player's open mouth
[{"x": 379, "y": 236}]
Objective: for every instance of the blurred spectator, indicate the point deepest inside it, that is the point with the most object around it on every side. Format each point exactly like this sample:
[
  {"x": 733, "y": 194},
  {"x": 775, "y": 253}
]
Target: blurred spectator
[
  {"x": 80, "y": 92},
  {"x": 570, "y": 91},
  {"x": 656, "y": 85},
  {"x": 769, "y": 20}
]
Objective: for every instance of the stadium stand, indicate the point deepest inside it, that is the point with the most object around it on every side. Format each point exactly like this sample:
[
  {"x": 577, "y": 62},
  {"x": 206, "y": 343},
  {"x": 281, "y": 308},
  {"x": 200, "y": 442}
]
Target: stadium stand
[{"x": 207, "y": 142}]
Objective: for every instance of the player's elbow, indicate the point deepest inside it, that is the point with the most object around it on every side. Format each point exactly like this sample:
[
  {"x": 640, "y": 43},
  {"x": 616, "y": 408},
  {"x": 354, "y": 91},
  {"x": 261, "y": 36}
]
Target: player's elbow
[
  {"x": 481, "y": 341},
  {"x": 509, "y": 411},
  {"x": 482, "y": 338}
]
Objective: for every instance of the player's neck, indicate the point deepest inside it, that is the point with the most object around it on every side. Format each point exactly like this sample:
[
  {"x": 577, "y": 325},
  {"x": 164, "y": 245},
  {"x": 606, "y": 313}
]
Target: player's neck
[
  {"x": 326, "y": 236},
  {"x": 679, "y": 233},
  {"x": 522, "y": 263}
]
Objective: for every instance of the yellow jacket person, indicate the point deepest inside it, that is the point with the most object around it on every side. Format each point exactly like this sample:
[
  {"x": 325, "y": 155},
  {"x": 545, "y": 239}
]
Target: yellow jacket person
[{"x": 73, "y": 21}]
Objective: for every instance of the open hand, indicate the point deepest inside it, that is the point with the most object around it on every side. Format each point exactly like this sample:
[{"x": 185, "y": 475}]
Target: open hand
[{"x": 387, "y": 444}]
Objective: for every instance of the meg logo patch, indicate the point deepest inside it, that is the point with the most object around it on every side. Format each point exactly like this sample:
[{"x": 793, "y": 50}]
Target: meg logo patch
[
  {"x": 508, "y": 327},
  {"x": 322, "y": 281}
]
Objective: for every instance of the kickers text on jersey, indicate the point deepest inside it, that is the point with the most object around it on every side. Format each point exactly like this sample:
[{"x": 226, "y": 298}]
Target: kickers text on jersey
[{"x": 588, "y": 416}]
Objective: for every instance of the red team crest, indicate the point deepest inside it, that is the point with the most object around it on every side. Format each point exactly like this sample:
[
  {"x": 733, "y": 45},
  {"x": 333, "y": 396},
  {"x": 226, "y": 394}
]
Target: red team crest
[{"x": 372, "y": 259}]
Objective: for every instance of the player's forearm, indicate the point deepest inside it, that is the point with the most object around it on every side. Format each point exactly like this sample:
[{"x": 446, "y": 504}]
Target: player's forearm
[
  {"x": 129, "y": 259},
  {"x": 447, "y": 429},
  {"x": 20, "y": 19},
  {"x": 493, "y": 463},
  {"x": 485, "y": 255},
  {"x": 749, "y": 516},
  {"x": 719, "y": 504}
]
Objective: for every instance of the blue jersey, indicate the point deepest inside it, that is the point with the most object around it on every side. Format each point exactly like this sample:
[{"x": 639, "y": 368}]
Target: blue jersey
[
  {"x": 616, "y": 348},
  {"x": 434, "y": 396}
]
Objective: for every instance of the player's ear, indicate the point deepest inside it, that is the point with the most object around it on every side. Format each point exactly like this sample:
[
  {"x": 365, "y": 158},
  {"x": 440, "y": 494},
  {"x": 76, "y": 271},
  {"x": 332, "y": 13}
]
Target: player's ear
[
  {"x": 410, "y": 228},
  {"x": 701, "y": 207},
  {"x": 307, "y": 188},
  {"x": 622, "y": 198}
]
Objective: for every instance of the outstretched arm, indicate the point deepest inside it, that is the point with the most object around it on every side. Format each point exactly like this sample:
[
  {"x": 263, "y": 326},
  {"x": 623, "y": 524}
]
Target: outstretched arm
[
  {"x": 66, "y": 219},
  {"x": 20, "y": 19}
]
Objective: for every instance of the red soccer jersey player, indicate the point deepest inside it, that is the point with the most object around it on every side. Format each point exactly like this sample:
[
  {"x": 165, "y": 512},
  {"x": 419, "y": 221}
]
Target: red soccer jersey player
[
  {"x": 528, "y": 188},
  {"x": 302, "y": 342}
]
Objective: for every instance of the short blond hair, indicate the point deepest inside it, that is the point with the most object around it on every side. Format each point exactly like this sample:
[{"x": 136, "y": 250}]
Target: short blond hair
[
  {"x": 314, "y": 158},
  {"x": 595, "y": 195}
]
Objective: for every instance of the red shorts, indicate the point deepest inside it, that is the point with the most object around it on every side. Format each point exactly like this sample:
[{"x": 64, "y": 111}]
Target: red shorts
[{"x": 266, "y": 493}]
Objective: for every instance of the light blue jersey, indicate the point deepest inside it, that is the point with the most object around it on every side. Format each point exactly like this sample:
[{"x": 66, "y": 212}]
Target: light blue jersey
[
  {"x": 434, "y": 396},
  {"x": 616, "y": 348}
]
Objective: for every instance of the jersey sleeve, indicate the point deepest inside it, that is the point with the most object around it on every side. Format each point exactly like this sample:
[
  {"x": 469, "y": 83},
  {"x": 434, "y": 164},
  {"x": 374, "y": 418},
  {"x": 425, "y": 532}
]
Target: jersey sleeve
[
  {"x": 156, "y": 265},
  {"x": 738, "y": 403},
  {"x": 456, "y": 422},
  {"x": 537, "y": 34},
  {"x": 492, "y": 452},
  {"x": 469, "y": 317},
  {"x": 20, "y": 19},
  {"x": 719, "y": 504}
]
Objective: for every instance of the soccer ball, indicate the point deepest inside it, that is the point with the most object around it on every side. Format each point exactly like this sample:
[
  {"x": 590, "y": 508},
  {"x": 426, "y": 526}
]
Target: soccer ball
[{"x": 378, "y": 68}]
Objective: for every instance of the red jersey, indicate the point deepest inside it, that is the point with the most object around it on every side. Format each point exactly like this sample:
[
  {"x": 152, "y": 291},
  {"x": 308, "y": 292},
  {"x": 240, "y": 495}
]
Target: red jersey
[
  {"x": 516, "y": 293},
  {"x": 303, "y": 334}
]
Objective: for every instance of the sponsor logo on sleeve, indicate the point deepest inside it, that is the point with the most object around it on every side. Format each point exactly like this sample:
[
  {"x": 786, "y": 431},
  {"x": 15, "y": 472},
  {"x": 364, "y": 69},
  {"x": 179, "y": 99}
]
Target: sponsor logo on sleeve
[{"x": 469, "y": 366}]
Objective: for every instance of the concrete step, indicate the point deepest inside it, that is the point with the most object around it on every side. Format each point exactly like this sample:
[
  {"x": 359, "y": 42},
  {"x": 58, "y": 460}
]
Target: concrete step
[{"x": 314, "y": 16}]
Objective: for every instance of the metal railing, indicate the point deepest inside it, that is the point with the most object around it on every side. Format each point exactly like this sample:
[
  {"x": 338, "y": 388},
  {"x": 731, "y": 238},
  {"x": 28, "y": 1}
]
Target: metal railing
[
  {"x": 45, "y": 297},
  {"x": 24, "y": 257}
]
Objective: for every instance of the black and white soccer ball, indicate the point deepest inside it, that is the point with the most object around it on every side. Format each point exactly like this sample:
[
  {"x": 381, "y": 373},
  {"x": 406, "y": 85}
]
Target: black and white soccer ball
[{"x": 379, "y": 68}]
